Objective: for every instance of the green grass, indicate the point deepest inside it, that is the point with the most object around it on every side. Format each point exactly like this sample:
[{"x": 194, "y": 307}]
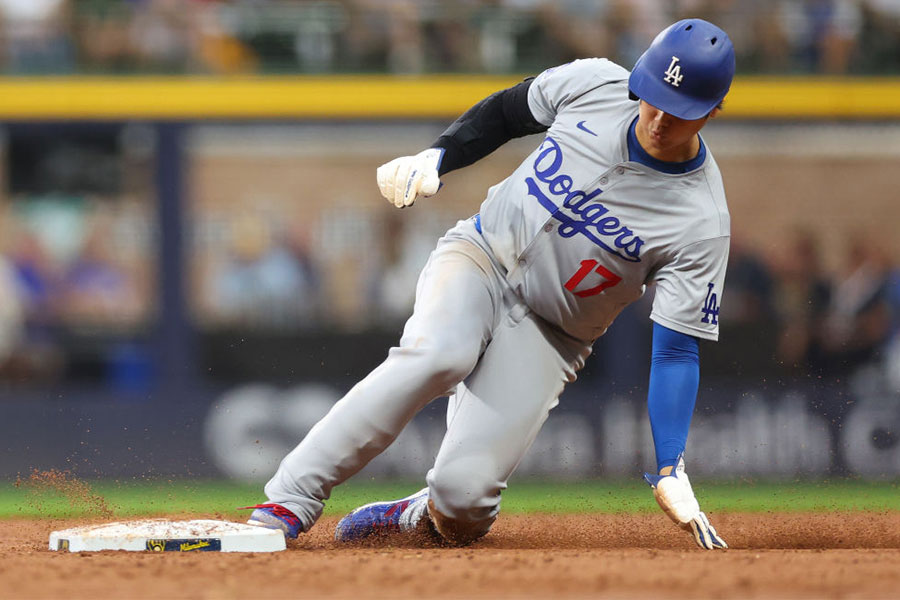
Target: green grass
[{"x": 68, "y": 498}]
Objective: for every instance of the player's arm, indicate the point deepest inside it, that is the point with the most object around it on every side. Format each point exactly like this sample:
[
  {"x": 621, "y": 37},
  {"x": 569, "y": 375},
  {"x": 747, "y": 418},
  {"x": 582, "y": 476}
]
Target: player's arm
[
  {"x": 486, "y": 126},
  {"x": 482, "y": 129},
  {"x": 674, "y": 380}
]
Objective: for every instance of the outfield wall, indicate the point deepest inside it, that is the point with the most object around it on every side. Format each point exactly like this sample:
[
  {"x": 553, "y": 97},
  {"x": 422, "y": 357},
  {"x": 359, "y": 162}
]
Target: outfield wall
[{"x": 740, "y": 431}]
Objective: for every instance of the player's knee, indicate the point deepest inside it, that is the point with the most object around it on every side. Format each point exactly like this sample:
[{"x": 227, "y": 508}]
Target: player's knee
[
  {"x": 457, "y": 531},
  {"x": 468, "y": 501},
  {"x": 449, "y": 362},
  {"x": 464, "y": 503}
]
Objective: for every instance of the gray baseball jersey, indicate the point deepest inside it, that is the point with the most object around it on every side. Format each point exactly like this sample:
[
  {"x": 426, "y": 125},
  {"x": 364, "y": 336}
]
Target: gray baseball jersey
[
  {"x": 582, "y": 230},
  {"x": 571, "y": 237}
]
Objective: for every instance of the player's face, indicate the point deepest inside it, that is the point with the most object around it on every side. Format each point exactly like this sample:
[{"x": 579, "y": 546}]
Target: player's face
[{"x": 666, "y": 137}]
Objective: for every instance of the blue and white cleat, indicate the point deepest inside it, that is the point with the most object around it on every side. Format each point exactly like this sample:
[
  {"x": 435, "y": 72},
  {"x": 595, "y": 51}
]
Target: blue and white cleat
[
  {"x": 275, "y": 516},
  {"x": 380, "y": 518}
]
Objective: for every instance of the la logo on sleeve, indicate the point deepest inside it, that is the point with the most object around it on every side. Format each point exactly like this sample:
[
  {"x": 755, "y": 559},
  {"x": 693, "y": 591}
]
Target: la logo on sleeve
[{"x": 710, "y": 308}]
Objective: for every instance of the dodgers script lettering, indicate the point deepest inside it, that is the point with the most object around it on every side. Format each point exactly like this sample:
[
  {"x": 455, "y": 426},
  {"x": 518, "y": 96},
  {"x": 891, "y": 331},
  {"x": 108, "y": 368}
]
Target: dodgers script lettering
[{"x": 588, "y": 217}]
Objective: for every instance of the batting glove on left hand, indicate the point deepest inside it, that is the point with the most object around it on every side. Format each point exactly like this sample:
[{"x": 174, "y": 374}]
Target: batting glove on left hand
[
  {"x": 403, "y": 180},
  {"x": 675, "y": 496}
]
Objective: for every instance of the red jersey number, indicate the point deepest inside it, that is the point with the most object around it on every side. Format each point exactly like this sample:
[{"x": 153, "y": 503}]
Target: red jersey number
[{"x": 609, "y": 279}]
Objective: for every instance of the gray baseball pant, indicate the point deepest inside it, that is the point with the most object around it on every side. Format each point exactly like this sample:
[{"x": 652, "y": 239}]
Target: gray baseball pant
[{"x": 469, "y": 331}]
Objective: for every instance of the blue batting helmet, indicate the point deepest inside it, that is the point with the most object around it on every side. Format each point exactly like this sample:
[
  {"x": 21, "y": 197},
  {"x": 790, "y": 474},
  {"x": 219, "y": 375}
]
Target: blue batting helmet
[{"x": 686, "y": 71}]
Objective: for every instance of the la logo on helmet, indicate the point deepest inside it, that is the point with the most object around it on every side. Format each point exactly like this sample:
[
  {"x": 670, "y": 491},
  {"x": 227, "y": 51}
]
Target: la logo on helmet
[{"x": 673, "y": 73}]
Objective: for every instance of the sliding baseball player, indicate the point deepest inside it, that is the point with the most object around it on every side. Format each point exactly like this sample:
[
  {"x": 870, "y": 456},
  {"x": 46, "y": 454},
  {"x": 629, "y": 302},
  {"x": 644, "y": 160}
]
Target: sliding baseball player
[{"x": 621, "y": 193}]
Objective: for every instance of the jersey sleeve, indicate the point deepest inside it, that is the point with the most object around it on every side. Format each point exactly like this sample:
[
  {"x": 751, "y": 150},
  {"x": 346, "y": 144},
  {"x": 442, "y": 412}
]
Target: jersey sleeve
[
  {"x": 558, "y": 86},
  {"x": 689, "y": 289}
]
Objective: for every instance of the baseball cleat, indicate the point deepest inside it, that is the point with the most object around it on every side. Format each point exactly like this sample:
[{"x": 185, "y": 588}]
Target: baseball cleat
[
  {"x": 380, "y": 518},
  {"x": 274, "y": 516}
]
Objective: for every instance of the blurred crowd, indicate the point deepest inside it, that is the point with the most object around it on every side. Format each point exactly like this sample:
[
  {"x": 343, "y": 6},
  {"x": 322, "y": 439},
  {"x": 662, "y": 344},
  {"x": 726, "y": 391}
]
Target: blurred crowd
[
  {"x": 78, "y": 256},
  {"x": 70, "y": 268},
  {"x": 810, "y": 321},
  {"x": 409, "y": 36},
  {"x": 87, "y": 269},
  {"x": 272, "y": 272}
]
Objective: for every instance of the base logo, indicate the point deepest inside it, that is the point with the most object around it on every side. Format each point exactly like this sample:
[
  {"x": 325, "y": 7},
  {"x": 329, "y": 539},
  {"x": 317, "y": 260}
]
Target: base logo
[
  {"x": 62, "y": 545},
  {"x": 185, "y": 545}
]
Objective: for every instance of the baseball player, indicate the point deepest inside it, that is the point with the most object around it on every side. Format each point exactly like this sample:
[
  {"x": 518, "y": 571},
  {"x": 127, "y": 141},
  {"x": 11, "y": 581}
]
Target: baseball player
[{"x": 621, "y": 193}]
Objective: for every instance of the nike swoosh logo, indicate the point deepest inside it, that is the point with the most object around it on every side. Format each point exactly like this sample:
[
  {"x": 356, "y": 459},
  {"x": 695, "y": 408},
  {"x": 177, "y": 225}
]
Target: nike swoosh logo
[{"x": 583, "y": 128}]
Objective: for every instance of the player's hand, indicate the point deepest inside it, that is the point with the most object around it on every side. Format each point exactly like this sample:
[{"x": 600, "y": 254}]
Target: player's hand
[
  {"x": 674, "y": 495},
  {"x": 404, "y": 180}
]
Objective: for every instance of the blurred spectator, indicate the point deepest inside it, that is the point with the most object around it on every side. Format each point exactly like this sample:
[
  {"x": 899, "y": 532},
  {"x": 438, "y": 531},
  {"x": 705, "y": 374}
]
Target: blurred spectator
[
  {"x": 750, "y": 286},
  {"x": 267, "y": 282},
  {"x": 500, "y": 25},
  {"x": 363, "y": 43},
  {"x": 406, "y": 50},
  {"x": 103, "y": 35},
  {"x": 96, "y": 289},
  {"x": 218, "y": 48},
  {"x": 879, "y": 37},
  {"x": 892, "y": 350},
  {"x": 858, "y": 322},
  {"x": 36, "y": 36},
  {"x": 837, "y": 45},
  {"x": 34, "y": 280},
  {"x": 581, "y": 28},
  {"x": 399, "y": 25},
  {"x": 408, "y": 36},
  {"x": 892, "y": 353},
  {"x": 12, "y": 313},
  {"x": 162, "y": 34},
  {"x": 632, "y": 26},
  {"x": 451, "y": 37},
  {"x": 765, "y": 46},
  {"x": 747, "y": 315},
  {"x": 893, "y": 297},
  {"x": 822, "y": 33},
  {"x": 392, "y": 284},
  {"x": 802, "y": 296},
  {"x": 379, "y": 35},
  {"x": 35, "y": 277}
]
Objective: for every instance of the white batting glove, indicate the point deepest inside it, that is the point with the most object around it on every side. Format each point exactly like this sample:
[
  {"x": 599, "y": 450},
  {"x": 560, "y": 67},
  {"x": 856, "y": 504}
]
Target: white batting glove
[
  {"x": 408, "y": 178},
  {"x": 675, "y": 496}
]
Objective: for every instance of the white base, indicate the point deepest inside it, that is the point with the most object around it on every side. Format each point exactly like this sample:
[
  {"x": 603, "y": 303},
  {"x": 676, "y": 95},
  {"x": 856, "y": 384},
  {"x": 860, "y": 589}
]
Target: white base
[{"x": 161, "y": 535}]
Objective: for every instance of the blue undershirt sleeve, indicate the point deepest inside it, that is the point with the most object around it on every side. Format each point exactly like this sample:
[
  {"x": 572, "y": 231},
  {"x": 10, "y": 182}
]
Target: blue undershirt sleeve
[{"x": 674, "y": 379}]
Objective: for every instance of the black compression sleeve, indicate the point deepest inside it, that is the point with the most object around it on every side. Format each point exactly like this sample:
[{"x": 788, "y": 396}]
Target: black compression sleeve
[{"x": 486, "y": 126}]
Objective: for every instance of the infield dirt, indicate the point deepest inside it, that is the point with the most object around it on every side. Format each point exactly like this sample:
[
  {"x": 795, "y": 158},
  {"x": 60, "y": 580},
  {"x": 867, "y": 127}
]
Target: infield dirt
[{"x": 786, "y": 555}]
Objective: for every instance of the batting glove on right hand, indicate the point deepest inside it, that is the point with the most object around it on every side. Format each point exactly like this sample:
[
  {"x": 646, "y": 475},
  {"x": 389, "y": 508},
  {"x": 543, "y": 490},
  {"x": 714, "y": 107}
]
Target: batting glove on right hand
[
  {"x": 404, "y": 180},
  {"x": 675, "y": 496}
]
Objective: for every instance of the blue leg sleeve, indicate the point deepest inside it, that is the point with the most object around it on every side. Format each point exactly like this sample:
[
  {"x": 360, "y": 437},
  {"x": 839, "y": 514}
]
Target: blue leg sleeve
[{"x": 674, "y": 379}]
